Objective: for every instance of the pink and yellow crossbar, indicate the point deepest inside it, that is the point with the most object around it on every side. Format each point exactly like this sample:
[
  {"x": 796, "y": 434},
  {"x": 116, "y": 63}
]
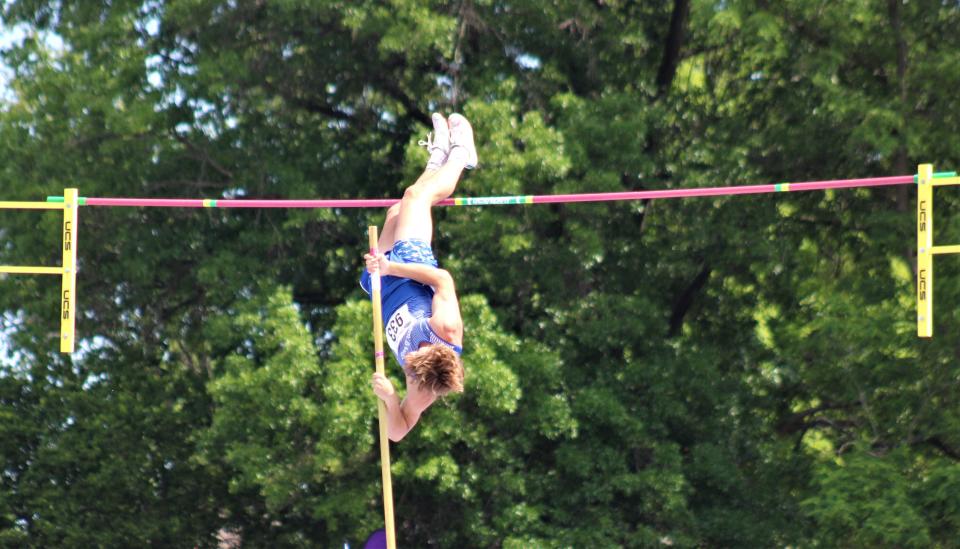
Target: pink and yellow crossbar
[
  {"x": 67, "y": 270},
  {"x": 502, "y": 200}
]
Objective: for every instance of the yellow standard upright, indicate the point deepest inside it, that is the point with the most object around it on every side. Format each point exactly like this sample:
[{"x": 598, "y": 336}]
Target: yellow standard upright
[
  {"x": 926, "y": 181},
  {"x": 68, "y": 292},
  {"x": 381, "y": 407},
  {"x": 925, "y": 250},
  {"x": 67, "y": 271}
]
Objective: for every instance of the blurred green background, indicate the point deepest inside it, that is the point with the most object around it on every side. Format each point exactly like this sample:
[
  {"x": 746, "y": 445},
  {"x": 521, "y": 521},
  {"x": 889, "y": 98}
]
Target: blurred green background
[{"x": 707, "y": 372}]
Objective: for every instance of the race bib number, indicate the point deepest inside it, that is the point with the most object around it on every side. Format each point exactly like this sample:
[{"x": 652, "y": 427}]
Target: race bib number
[{"x": 397, "y": 327}]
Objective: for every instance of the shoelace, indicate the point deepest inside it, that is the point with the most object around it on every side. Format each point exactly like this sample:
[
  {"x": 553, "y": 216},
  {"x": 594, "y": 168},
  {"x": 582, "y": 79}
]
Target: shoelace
[{"x": 428, "y": 143}]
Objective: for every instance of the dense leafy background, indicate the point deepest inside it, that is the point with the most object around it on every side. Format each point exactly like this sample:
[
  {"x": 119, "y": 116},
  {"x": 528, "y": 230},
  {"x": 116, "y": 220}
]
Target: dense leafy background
[{"x": 716, "y": 372}]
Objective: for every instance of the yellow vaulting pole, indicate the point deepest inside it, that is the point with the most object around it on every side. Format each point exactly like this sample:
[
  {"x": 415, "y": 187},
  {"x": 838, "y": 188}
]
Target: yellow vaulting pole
[
  {"x": 381, "y": 407},
  {"x": 68, "y": 293},
  {"x": 925, "y": 250}
]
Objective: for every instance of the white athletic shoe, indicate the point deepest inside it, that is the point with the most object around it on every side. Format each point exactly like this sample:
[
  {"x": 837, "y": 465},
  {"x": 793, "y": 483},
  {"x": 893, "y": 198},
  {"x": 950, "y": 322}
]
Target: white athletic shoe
[
  {"x": 461, "y": 137},
  {"x": 437, "y": 143}
]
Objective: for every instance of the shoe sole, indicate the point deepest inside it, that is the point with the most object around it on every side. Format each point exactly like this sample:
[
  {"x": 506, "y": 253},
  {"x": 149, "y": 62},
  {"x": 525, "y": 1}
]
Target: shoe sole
[{"x": 471, "y": 149}]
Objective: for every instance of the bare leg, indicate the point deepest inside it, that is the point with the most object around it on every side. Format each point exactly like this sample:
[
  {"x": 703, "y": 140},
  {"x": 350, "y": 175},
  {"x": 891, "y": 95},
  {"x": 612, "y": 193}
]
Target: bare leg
[
  {"x": 413, "y": 219},
  {"x": 388, "y": 233},
  {"x": 438, "y": 147}
]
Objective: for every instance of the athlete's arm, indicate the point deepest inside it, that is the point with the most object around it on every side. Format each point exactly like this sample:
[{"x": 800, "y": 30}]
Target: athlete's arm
[
  {"x": 424, "y": 274},
  {"x": 401, "y": 416},
  {"x": 446, "y": 320}
]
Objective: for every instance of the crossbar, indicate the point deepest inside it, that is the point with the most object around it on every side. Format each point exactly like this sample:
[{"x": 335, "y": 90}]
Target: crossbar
[{"x": 501, "y": 200}]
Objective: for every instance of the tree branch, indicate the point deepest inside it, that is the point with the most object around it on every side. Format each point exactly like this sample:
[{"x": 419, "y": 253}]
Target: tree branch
[
  {"x": 674, "y": 42},
  {"x": 798, "y": 421},
  {"x": 202, "y": 155},
  {"x": 685, "y": 301},
  {"x": 940, "y": 444},
  {"x": 390, "y": 87}
]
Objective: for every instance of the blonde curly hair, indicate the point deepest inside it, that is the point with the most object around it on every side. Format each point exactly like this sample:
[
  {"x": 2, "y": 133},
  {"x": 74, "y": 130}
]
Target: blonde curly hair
[{"x": 437, "y": 368}]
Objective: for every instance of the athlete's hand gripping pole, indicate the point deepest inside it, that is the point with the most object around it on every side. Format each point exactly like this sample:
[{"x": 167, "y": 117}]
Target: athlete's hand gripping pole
[{"x": 381, "y": 407}]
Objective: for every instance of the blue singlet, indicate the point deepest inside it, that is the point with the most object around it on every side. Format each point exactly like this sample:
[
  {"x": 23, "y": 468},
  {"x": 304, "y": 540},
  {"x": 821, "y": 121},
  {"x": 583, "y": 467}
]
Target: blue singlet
[{"x": 407, "y": 304}]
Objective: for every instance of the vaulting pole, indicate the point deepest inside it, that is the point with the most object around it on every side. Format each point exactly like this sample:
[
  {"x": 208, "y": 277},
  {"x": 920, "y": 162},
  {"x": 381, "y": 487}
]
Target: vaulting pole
[{"x": 381, "y": 407}]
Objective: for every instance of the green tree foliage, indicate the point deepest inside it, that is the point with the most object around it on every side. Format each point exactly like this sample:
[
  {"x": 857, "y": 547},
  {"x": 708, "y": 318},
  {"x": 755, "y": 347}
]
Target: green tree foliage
[
  {"x": 737, "y": 371},
  {"x": 865, "y": 503}
]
